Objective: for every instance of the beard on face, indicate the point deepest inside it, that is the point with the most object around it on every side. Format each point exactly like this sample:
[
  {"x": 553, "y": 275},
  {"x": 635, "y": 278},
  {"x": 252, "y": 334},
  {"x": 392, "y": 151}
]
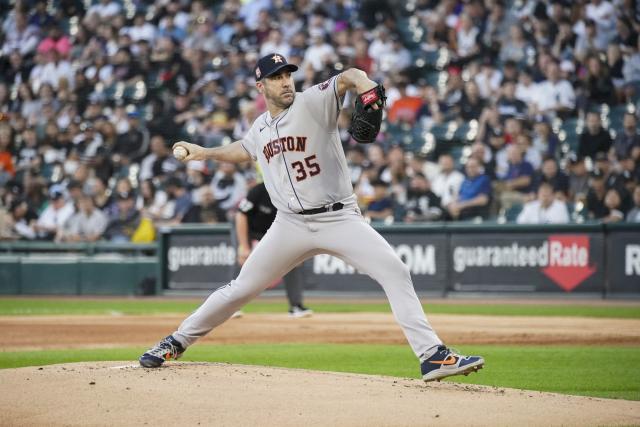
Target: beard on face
[
  {"x": 279, "y": 98},
  {"x": 280, "y": 101}
]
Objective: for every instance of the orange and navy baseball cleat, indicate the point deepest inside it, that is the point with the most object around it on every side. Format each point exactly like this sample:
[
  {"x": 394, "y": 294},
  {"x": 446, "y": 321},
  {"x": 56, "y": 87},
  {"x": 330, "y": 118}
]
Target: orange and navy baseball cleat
[
  {"x": 168, "y": 348},
  {"x": 445, "y": 363}
]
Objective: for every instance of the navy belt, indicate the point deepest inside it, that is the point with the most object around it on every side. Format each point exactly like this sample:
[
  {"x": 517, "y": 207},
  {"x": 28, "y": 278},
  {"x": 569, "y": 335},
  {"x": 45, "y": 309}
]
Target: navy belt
[{"x": 330, "y": 208}]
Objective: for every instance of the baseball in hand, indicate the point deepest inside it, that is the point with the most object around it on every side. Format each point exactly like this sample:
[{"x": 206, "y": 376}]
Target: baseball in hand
[{"x": 180, "y": 153}]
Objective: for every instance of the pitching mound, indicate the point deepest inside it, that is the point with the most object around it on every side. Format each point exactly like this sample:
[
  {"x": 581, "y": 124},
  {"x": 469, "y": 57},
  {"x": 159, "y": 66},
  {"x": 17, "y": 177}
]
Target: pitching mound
[{"x": 121, "y": 393}]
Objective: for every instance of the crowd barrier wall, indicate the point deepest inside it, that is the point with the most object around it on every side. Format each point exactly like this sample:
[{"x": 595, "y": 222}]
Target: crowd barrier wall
[{"x": 456, "y": 257}]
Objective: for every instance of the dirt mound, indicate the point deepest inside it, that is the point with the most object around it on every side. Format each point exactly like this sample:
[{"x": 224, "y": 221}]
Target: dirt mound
[
  {"x": 60, "y": 332},
  {"x": 120, "y": 393}
]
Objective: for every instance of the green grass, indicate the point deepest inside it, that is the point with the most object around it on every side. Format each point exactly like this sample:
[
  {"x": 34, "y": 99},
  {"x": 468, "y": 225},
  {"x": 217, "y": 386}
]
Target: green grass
[
  {"x": 591, "y": 371},
  {"x": 27, "y": 306}
]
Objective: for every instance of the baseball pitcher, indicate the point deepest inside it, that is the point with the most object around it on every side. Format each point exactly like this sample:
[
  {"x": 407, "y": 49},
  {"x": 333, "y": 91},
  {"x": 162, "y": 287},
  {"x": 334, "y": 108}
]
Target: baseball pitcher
[{"x": 297, "y": 146}]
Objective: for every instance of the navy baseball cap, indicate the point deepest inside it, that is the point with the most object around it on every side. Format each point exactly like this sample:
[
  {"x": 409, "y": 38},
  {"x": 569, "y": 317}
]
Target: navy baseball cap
[{"x": 271, "y": 64}]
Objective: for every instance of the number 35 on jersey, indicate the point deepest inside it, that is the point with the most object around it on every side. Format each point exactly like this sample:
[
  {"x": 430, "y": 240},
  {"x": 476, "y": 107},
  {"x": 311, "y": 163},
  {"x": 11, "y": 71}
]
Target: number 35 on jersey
[{"x": 303, "y": 168}]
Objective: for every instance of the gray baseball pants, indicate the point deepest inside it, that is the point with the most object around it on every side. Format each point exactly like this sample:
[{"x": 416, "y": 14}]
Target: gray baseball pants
[{"x": 294, "y": 238}]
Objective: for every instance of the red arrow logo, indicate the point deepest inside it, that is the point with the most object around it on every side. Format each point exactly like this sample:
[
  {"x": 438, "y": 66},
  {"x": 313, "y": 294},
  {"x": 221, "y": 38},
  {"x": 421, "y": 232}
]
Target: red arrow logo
[{"x": 569, "y": 261}]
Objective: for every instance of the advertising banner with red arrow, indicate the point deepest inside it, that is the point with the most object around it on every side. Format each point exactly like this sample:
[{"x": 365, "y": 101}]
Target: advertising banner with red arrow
[{"x": 548, "y": 262}]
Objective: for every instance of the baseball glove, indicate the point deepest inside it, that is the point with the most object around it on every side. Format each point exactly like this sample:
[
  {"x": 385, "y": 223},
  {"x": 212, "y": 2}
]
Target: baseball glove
[{"x": 365, "y": 121}]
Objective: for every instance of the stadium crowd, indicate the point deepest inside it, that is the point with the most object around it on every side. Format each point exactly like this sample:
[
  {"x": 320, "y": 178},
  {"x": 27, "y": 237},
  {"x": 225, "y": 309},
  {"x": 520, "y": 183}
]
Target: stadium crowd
[{"x": 498, "y": 110}]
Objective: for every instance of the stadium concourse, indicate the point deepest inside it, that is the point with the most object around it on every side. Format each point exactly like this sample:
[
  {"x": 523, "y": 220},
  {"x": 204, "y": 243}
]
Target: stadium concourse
[{"x": 498, "y": 110}]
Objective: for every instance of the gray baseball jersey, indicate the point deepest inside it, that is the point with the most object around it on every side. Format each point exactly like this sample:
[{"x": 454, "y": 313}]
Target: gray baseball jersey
[{"x": 300, "y": 153}]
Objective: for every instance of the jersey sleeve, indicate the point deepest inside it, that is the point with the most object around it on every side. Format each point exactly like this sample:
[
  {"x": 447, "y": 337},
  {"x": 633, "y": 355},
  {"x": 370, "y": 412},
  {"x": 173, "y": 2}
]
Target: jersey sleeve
[
  {"x": 249, "y": 142},
  {"x": 323, "y": 102}
]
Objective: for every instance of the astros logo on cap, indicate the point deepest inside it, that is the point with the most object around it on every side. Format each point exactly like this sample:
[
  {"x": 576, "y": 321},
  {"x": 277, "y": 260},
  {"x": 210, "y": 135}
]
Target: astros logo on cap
[{"x": 276, "y": 58}]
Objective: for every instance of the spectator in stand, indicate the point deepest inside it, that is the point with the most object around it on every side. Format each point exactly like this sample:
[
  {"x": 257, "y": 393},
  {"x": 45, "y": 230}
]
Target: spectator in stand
[
  {"x": 22, "y": 220},
  {"x": 290, "y": 22},
  {"x": 101, "y": 193},
  {"x": 631, "y": 68},
  {"x": 124, "y": 219},
  {"x": 381, "y": 207},
  {"x": 488, "y": 79},
  {"x": 395, "y": 60},
  {"x": 152, "y": 202},
  {"x": 160, "y": 162},
  {"x": 513, "y": 187},
  {"x": 361, "y": 58},
  {"x": 430, "y": 111},
  {"x": 405, "y": 109},
  {"x": 546, "y": 209},
  {"x": 422, "y": 203},
  {"x": 39, "y": 17},
  {"x": 531, "y": 154},
  {"x": 56, "y": 41},
  {"x": 74, "y": 193},
  {"x": 52, "y": 220},
  {"x": 508, "y": 105},
  {"x": 595, "y": 139},
  {"x": 182, "y": 200},
  {"x": 380, "y": 46},
  {"x": 595, "y": 197},
  {"x": 320, "y": 53},
  {"x": 131, "y": 145},
  {"x": 516, "y": 47},
  {"x": 578, "y": 178},
  {"x": 87, "y": 224},
  {"x": 203, "y": 38},
  {"x": 275, "y": 43},
  {"x": 453, "y": 90},
  {"x": 634, "y": 213},
  {"x": 141, "y": 29},
  {"x": 475, "y": 194},
  {"x": 7, "y": 168},
  {"x": 565, "y": 41},
  {"x": 598, "y": 84},
  {"x": 471, "y": 104},
  {"x": 550, "y": 173},
  {"x": 104, "y": 10},
  {"x": 483, "y": 155},
  {"x": 467, "y": 39},
  {"x": 613, "y": 204},
  {"x": 603, "y": 13},
  {"x": 624, "y": 180},
  {"x": 589, "y": 41},
  {"x": 22, "y": 37},
  {"x": 491, "y": 130},
  {"x": 396, "y": 174},
  {"x": 526, "y": 88},
  {"x": 631, "y": 168},
  {"x": 497, "y": 27},
  {"x": 377, "y": 161},
  {"x": 446, "y": 184},
  {"x": 544, "y": 140},
  {"x": 627, "y": 142},
  {"x": 626, "y": 37},
  {"x": 208, "y": 211},
  {"x": 555, "y": 96},
  {"x": 615, "y": 62},
  {"x": 229, "y": 186},
  {"x": 169, "y": 28}
]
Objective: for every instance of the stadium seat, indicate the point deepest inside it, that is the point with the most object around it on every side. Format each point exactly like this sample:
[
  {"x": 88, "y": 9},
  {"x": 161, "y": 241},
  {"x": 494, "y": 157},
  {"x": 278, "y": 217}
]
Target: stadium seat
[{"x": 511, "y": 214}]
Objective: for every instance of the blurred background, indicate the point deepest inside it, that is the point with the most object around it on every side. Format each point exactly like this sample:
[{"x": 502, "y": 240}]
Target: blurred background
[{"x": 498, "y": 111}]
